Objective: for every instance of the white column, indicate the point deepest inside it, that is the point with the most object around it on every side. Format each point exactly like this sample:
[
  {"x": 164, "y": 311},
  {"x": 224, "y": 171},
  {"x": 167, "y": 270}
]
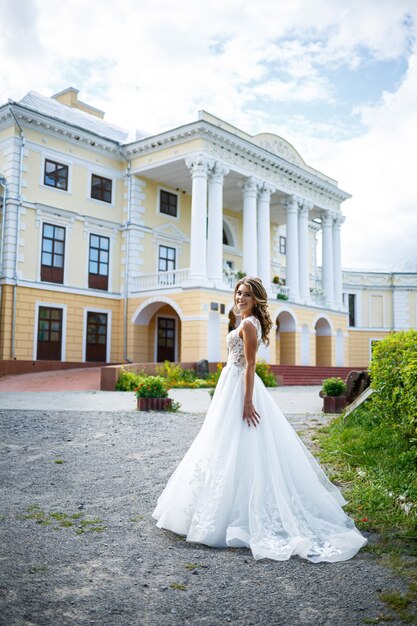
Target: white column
[
  {"x": 250, "y": 255},
  {"x": 293, "y": 278},
  {"x": 303, "y": 251},
  {"x": 337, "y": 260},
  {"x": 327, "y": 258},
  {"x": 264, "y": 235},
  {"x": 215, "y": 223},
  {"x": 199, "y": 166}
]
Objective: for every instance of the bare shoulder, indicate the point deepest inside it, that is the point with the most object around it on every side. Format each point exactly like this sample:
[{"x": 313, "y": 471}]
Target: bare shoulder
[{"x": 248, "y": 328}]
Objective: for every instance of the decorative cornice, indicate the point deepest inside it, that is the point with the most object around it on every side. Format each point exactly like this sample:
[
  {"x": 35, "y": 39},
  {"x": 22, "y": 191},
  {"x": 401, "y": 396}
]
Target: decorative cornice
[
  {"x": 33, "y": 119},
  {"x": 249, "y": 157},
  {"x": 244, "y": 155},
  {"x": 370, "y": 280}
]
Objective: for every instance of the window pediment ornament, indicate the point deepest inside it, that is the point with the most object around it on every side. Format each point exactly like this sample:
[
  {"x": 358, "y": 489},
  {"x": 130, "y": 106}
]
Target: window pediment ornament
[
  {"x": 169, "y": 232},
  {"x": 58, "y": 217}
]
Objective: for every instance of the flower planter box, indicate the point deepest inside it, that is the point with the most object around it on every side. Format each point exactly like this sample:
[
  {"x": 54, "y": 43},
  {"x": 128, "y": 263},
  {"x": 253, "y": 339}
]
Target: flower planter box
[
  {"x": 154, "y": 404},
  {"x": 334, "y": 404}
]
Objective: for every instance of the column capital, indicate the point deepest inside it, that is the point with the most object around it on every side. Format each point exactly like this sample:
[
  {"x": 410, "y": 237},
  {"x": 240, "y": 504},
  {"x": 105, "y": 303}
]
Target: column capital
[
  {"x": 308, "y": 205},
  {"x": 326, "y": 218},
  {"x": 250, "y": 186},
  {"x": 218, "y": 172},
  {"x": 199, "y": 165},
  {"x": 338, "y": 220},
  {"x": 265, "y": 190},
  {"x": 292, "y": 203},
  {"x": 304, "y": 211}
]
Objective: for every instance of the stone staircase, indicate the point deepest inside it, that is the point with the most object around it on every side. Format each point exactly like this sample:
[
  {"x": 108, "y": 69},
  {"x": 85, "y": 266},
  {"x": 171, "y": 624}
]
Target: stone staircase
[{"x": 309, "y": 375}]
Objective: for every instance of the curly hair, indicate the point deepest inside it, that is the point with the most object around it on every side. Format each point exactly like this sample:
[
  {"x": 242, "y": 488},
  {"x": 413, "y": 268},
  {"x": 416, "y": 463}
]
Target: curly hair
[{"x": 260, "y": 309}]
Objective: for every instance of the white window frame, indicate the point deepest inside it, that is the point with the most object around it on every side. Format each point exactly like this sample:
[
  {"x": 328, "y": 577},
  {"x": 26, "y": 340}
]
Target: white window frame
[
  {"x": 379, "y": 295},
  {"x": 166, "y": 245},
  {"x": 52, "y": 305},
  {"x": 358, "y": 309},
  {"x": 371, "y": 339},
  {"x": 54, "y": 221},
  {"x": 92, "y": 309},
  {"x": 158, "y": 203},
  {"x": 98, "y": 172},
  {"x": 88, "y": 233},
  {"x": 49, "y": 156}
]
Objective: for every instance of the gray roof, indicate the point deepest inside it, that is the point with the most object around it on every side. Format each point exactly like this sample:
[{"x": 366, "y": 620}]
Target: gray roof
[
  {"x": 51, "y": 108},
  {"x": 406, "y": 265}
]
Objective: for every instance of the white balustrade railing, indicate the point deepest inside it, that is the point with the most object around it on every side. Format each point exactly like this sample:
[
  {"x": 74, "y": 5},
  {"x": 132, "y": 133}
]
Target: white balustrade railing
[
  {"x": 178, "y": 278},
  {"x": 161, "y": 280},
  {"x": 280, "y": 290}
]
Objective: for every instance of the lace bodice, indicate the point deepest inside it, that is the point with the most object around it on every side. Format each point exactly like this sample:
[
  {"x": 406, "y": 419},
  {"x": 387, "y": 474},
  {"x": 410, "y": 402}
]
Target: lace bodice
[{"x": 236, "y": 353}]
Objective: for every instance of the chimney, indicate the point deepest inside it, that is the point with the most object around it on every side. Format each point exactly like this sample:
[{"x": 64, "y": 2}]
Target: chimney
[{"x": 69, "y": 97}]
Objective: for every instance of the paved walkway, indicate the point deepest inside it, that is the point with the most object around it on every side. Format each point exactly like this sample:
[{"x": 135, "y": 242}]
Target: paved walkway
[
  {"x": 79, "y": 390},
  {"x": 82, "y": 379},
  {"x": 292, "y": 400}
]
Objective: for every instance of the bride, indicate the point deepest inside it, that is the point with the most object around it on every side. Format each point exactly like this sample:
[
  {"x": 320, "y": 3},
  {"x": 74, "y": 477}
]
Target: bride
[{"x": 247, "y": 479}]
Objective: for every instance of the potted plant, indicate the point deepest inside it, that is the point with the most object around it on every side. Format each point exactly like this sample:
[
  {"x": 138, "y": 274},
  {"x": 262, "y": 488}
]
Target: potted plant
[
  {"x": 333, "y": 393},
  {"x": 152, "y": 394}
]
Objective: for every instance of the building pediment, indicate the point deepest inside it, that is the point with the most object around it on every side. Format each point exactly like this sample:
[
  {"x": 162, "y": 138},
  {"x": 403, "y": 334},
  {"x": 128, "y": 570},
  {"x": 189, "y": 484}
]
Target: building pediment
[
  {"x": 278, "y": 146},
  {"x": 170, "y": 231}
]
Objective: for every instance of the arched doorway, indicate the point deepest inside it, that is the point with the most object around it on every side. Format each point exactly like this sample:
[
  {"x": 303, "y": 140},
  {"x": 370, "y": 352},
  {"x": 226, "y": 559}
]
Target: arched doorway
[
  {"x": 323, "y": 342},
  {"x": 285, "y": 350},
  {"x": 157, "y": 332}
]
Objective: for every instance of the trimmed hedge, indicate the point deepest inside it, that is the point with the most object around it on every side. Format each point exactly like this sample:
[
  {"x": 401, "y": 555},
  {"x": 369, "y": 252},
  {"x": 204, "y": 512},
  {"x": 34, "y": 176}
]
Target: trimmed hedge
[{"x": 393, "y": 372}]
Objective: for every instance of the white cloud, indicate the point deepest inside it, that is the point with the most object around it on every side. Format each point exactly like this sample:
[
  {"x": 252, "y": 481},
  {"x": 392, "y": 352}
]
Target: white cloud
[
  {"x": 153, "y": 64},
  {"x": 378, "y": 168}
]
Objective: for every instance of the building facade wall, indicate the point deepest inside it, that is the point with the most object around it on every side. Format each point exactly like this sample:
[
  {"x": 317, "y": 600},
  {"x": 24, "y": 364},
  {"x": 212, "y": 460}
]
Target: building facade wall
[{"x": 272, "y": 212}]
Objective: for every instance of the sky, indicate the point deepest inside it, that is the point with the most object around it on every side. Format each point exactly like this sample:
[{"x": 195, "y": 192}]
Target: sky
[{"x": 335, "y": 78}]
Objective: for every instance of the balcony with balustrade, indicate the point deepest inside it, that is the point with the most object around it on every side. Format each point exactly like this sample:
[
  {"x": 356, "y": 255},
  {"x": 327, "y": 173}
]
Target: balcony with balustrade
[{"x": 180, "y": 278}]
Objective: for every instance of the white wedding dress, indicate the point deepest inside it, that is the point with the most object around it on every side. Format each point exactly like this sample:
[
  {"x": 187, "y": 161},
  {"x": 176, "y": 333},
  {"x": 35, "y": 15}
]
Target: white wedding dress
[{"x": 257, "y": 487}]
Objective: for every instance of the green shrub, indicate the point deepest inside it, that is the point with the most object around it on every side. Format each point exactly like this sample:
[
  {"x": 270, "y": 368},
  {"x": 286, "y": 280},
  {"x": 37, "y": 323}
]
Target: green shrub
[
  {"x": 174, "y": 373},
  {"x": 333, "y": 387},
  {"x": 152, "y": 387},
  {"x": 128, "y": 381},
  {"x": 393, "y": 372},
  {"x": 264, "y": 372},
  {"x": 177, "y": 377}
]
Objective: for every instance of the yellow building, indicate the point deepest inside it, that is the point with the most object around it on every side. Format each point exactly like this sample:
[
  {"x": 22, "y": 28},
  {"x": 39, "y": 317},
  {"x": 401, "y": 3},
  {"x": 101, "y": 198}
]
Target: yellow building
[
  {"x": 118, "y": 248},
  {"x": 379, "y": 303}
]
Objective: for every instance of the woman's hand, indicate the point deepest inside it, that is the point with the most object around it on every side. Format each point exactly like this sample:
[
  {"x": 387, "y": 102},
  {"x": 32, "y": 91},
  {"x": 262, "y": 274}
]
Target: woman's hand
[{"x": 250, "y": 414}]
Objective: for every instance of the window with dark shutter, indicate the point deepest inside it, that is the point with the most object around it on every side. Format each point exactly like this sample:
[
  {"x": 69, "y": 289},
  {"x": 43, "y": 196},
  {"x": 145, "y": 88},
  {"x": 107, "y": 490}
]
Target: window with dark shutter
[
  {"x": 98, "y": 262},
  {"x": 53, "y": 248}
]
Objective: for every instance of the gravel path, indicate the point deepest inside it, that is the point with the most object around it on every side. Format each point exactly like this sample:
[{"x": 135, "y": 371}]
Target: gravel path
[{"x": 119, "y": 569}]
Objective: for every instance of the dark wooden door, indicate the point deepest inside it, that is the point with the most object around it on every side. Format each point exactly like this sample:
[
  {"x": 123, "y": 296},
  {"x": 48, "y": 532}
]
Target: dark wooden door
[
  {"x": 96, "y": 348},
  {"x": 49, "y": 334},
  {"x": 166, "y": 339}
]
